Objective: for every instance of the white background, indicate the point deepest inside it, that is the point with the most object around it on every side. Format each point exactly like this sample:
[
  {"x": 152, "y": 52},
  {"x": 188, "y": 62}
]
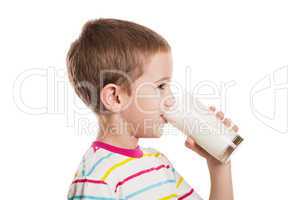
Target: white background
[{"x": 45, "y": 129}]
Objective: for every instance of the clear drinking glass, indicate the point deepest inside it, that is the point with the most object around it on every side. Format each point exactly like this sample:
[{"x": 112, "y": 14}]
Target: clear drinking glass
[{"x": 193, "y": 118}]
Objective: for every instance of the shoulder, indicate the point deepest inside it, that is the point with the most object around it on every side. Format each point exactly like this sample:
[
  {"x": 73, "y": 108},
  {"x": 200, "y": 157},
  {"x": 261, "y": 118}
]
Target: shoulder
[
  {"x": 160, "y": 155},
  {"x": 150, "y": 150},
  {"x": 94, "y": 163}
]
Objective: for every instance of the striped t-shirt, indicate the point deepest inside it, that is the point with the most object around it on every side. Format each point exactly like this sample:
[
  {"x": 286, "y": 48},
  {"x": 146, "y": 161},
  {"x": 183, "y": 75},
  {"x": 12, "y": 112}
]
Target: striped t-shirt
[{"x": 109, "y": 172}]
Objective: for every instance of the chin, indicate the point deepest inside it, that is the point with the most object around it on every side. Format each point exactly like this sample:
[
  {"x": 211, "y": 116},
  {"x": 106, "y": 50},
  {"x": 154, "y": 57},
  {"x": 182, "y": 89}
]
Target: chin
[
  {"x": 157, "y": 134},
  {"x": 150, "y": 136},
  {"x": 155, "y": 131}
]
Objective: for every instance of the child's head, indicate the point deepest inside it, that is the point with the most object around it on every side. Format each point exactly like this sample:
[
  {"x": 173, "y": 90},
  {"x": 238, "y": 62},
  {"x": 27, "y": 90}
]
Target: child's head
[{"x": 115, "y": 67}]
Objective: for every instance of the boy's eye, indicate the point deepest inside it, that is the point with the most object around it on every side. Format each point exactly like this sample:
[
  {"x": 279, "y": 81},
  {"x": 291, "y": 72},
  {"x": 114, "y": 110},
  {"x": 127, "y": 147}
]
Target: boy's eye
[{"x": 162, "y": 86}]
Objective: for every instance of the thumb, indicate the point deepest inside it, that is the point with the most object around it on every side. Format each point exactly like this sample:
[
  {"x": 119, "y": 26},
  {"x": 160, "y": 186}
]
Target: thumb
[{"x": 191, "y": 144}]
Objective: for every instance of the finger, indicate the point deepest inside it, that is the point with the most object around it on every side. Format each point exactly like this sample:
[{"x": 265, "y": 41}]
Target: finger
[
  {"x": 235, "y": 128},
  {"x": 220, "y": 115},
  {"x": 212, "y": 109},
  {"x": 198, "y": 149},
  {"x": 189, "y": 144},
  {"x": 190, "y": 141},
  {"x": 227, "y": 122}
]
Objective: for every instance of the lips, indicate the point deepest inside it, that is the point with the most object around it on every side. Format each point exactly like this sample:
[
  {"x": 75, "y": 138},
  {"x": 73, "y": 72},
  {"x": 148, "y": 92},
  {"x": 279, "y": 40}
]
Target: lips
[{"x": 164, "y": 119}]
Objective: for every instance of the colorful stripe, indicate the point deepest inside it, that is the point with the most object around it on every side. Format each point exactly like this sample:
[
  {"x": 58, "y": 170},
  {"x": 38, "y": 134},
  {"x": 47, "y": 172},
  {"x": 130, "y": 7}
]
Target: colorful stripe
[
  {"x": 161, "y": 180},
  {"x": 98, "y": 162},
  {"x": 169, "y": 197},
  {"x": 110, "y": 170},
  {"x": 180, "y": 181},
  {"x": 149, "y": 188},
  {"x": 76, "y": 174},
  {"x": 186, "y": 194},
  {"x": 139, "y": 174},
  {"x": 90, "y": 197},
  {"x": 151, "y": 154},
  {"x": 88, "y": 181}
]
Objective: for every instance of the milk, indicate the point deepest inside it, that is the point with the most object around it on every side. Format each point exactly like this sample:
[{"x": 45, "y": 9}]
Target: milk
[{"x": 193, "y": 118}]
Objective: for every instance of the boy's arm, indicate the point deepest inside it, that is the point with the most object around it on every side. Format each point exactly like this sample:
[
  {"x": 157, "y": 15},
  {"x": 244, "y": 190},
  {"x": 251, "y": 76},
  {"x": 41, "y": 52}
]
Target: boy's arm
[
  {"x": 220, "y": 174},
  {"x": 221, "y": 181}
]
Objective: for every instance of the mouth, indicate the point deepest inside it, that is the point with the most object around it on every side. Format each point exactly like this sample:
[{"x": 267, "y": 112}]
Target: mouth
[{"x": 164, "y": 119}]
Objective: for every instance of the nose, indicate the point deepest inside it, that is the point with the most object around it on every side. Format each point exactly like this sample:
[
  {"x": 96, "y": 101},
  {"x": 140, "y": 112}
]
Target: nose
[{"x": 169, "y": 101}]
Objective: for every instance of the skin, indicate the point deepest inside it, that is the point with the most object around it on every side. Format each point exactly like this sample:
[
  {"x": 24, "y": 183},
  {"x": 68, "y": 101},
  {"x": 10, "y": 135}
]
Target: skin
[
  {"x": 220, "y": 174},
  {"x": 141, "y": 116}
]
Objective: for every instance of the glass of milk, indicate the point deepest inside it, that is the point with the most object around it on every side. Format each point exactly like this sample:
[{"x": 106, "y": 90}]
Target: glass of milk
[{"x": 193, "y": 118}]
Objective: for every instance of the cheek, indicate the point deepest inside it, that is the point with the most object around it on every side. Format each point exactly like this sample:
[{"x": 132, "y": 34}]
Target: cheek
[
  {"x": 148, "y": 105},
  {"x": 142, "y": 109},
  {"x": 143, "y": 112},
  {"x": 142, "y": 123},
  {"x": 147, "y": 101}
]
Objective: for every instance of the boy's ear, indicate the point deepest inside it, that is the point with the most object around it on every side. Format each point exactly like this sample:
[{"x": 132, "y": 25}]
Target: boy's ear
[{"x": 111, "y": 97}]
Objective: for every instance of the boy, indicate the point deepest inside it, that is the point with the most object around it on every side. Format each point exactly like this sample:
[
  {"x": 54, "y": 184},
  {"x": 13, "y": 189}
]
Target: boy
[{"x": 122, "y": 70}]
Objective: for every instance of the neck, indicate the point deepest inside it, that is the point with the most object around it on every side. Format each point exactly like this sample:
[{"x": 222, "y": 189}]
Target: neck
[
  {"x": 117, "y": 134},
  {"x": 123, "y": 141}
]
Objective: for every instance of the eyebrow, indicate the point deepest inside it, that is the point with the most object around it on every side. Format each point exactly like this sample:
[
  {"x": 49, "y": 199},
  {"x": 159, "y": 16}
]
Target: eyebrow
[{"x": 163, "y": 78}]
